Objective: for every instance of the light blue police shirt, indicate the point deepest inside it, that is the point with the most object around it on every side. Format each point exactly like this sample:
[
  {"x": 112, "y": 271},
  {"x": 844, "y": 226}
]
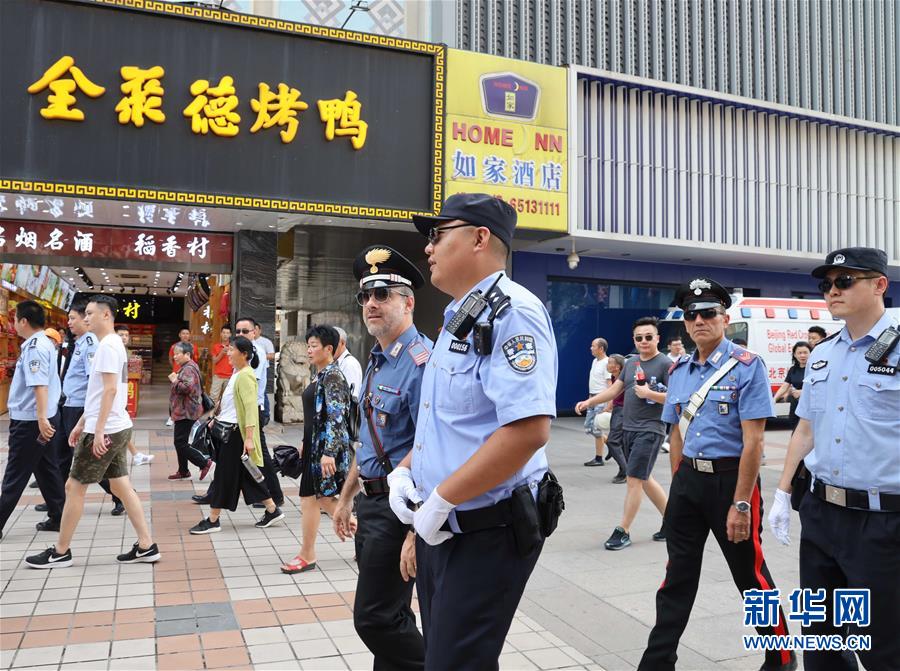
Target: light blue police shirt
[
  {"x": 75, "y": 383},
  {"x": 393, "y": 381},
  {"x": 466, "y": 397},
  {"x": 36, "y": 367},
  {"x": 743, "y": 394},
  {"x": 261, "y": 371},
  {"x": 854, "y": 412}
]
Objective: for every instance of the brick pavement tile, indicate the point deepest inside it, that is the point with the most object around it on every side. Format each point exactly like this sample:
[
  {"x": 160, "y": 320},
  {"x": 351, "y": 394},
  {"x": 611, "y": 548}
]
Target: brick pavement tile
[
  {"x": 39, "y": 639},
  {"x": 42, "y": 622},
  {"x": 289, "y": 602},
  {"x": 316, "y": 600},
  {"x": 91, "y": 634},
  {"x": 300, "y": 616},
  {"x": 134, "y": 630},
  {"x": 179, "y": 661},
  {"x": 174, "y": 613},
  {"x": 13, "y": 624},
  {"x": 133, "y": 648},
  {"x": 226, "y": 657},
  {"x": 172, "y": 586},
  {"x": 132, "y": 615},
  {"x": 221, "y": 639},
  {"x": 179, "y": 599},
  {"x": 93, "y": 619},
  {"x": 10, "y": 641},
  {"x": 202, "y": 573},
  {"x": 214, "y": 595},
  {"x": 207, "y": 583},
  {"x": 329, "y": 613},
  {"x": 253, "y": 620},
  {"x": 250, "y": 606},
  {"x": 184, "y": 643}
]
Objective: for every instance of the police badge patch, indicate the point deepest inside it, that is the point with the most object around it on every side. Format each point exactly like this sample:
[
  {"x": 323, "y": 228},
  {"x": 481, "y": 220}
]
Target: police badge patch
[
  {"x": 521, "y": 353},
  {"x": 34, "y": 365}
]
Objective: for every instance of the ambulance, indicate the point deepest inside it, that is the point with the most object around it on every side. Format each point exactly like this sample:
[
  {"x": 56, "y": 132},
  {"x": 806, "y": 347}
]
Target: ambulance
[{"x": 770, "y": 327}]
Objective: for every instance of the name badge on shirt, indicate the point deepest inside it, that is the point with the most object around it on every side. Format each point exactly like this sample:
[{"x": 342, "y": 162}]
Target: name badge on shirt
[
  {"x": 460, "y": 346},
  {"x": 715, "y": 357},
  {"x": 723, "y": 408},
  {"x": 395, "y": 350},
  {"x": 881, "y": 369}
]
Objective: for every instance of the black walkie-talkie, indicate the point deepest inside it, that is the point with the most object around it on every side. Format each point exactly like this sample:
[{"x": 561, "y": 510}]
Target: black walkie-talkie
[
  {"x": 884, "y": 345},
  {"x": 465, "y": 318}
]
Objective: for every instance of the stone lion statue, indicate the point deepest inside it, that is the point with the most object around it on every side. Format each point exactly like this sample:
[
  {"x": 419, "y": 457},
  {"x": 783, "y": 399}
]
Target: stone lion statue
[{"x": 293, "y": 378}]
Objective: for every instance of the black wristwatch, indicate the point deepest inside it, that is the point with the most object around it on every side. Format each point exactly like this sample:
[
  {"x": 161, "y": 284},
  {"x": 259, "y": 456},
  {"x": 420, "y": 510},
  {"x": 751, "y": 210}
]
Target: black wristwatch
[{"x": 742, "y": 506}]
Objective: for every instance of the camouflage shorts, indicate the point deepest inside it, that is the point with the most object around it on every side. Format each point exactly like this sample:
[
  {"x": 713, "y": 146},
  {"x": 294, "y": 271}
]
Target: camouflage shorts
[{"x": 88, "y": 469}]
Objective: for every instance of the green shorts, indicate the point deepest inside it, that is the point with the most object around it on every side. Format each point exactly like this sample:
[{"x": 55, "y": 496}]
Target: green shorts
[{"x": 88, "y": 469}]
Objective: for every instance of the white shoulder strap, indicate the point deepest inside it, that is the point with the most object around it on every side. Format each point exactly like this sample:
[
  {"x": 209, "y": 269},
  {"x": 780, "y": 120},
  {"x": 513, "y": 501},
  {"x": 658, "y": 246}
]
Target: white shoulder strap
[{"x": 699, "y": 396}]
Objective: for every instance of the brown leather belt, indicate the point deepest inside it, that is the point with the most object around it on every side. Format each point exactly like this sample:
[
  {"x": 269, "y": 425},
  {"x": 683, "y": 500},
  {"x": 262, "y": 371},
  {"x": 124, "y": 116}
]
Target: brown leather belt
[
  {"x": 713, "y": 465},
  {"x": 375, "y": 486}
]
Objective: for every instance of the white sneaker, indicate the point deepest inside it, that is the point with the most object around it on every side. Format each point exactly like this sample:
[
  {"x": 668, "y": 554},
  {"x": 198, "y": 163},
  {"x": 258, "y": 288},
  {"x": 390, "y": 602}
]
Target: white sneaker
[
  {"x": 140, "y": 458},
  {"x": 169, "y": 422},
  {"x": 665, "y": 447}
]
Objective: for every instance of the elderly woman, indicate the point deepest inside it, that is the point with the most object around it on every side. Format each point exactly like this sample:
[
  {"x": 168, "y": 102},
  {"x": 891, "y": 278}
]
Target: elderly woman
[
  {"x": 185, "y": 406},
  {"x": 325, "y": 454},
  {"x": 237, "y": 425}
]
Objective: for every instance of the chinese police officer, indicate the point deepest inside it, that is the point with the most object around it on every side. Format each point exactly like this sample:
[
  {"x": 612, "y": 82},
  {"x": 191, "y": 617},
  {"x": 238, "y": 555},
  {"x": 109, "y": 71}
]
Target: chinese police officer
[
  {"x": 718, "y": 401},
  {"x": 33, "y": 420},
  {"x": 488, "y": 396},
  {"x": 849, "y": 438},
  {"x": 385, "y": 547}
]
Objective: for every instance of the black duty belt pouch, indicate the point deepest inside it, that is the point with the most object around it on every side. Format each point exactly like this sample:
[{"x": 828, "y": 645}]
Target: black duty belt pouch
[
  {"x": 799, "y": 485},
  {"x": 550, "y": 503},
  {"x": 221, "y": 434},
  {"x": 525, "y": 524}
]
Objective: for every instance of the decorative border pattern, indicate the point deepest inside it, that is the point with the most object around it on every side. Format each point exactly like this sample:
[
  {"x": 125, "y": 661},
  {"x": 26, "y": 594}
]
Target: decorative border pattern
[{"x": 438, "y": 51}]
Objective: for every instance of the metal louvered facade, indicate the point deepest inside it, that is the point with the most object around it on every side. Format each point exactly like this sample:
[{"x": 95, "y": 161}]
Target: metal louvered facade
[
  {"x": 675, "y": 166},
  {"x": 835, "y": 56}
]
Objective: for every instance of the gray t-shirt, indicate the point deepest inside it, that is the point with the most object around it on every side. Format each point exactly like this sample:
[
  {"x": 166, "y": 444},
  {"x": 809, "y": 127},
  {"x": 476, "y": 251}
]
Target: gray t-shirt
[{"x": 639, "y": 415}]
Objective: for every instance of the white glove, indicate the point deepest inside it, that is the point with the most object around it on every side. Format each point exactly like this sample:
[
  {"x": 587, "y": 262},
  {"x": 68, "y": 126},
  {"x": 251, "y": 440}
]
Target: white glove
[
  {"x": 403, "y": 490},
  {"x": 780, "y": 517},
  {"x": 429, "y": 519}
]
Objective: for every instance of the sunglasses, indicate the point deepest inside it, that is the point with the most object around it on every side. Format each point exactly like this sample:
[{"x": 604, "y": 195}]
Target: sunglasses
[
  {"x": 379, "y": 294},
  {"x": 706, "y": 313},
  {"x": 244, "y": 331},
  {"x": 435, "y": 233},
  {"x": 843, "y": 282},
  {"x": 648, "y": 338}
]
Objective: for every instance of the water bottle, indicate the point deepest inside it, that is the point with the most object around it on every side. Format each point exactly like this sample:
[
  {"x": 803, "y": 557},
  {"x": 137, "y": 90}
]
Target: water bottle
[
  {"x": 252, "y": 468},
  {"x": 652, "y": 388}
]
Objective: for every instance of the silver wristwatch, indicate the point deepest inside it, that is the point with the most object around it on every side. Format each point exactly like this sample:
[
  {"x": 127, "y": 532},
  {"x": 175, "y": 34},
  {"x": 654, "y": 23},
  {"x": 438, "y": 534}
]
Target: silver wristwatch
[{"x": 742, "y": 506}]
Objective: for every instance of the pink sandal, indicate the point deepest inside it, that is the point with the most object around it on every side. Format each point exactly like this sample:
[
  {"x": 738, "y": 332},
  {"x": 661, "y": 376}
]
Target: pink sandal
[{"x": 297, "y": 565}]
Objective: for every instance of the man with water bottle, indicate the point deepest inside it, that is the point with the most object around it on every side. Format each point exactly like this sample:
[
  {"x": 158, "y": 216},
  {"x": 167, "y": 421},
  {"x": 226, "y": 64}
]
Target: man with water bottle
[{"x": 643, "y": 380}]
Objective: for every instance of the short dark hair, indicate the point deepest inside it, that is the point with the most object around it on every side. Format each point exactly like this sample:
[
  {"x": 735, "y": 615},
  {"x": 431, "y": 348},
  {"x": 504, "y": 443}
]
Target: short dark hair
[
  {"x": 646, "y": 321},
  {"x": 225, "y": 326},
  {"x": 327, "y": 335},
  {"x": 121, "y": 327},
  {"x": 245, "y": 347},
  {"x": 102, "y": 299},
  {"x": 245, "y": 319},
  {"x": 185, "y": 347},
  {"x": 816, "y": 329},
  {"x": 183, "y": 328},
  {"x": 79, "y": 307},
  {"x": 673, "y": 339},
  {"x": 32, "y": 312}
]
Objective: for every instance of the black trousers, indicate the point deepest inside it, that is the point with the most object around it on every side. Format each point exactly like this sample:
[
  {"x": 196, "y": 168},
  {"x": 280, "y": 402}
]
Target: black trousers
[
  {"x": 699, "y": 503},
  {"x": 181, "y": 433},
  {"x": 231, "y": 478},
  {"x": 26, "y": 457},
  {"x": 840, "y": 548},
  {"x": 615, "y": 442},
  {"x": 69, "y": 417},
  {"x": 469, "y": 588},
  {"x": 268, "y": 467},
  {"x": 382, "y": 614}
]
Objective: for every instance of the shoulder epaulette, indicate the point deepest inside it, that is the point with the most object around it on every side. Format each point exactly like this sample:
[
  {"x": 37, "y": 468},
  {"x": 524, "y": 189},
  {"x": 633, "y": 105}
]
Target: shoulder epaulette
[
  {"x": 745, "y": 356},
  {"x": 827, "y": 338},
  {"x": 33, "y": 344},
  {"x": 684, "y": 358}
]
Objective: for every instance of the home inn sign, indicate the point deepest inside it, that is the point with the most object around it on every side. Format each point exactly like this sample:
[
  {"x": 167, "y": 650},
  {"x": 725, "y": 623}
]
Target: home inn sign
[{"x": 157, "y": 101}]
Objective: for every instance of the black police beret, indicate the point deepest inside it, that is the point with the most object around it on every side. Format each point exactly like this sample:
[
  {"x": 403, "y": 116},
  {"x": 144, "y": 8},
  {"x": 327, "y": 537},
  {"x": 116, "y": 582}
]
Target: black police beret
[
  {"x": 701, "y": 293},
  {"x": 480, "y": 209},
  {"x": 382, "y": 266},
  {"x": 855, "y": 258}
]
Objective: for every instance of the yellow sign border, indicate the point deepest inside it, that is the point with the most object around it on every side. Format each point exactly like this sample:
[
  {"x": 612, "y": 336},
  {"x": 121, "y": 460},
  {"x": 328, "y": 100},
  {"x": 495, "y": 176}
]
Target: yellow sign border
[{"x": 439, "y": 51}]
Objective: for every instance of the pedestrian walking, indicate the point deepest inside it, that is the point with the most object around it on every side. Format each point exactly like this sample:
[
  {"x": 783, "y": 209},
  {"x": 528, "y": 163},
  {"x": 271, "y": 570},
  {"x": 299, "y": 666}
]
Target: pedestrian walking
[
  {"x": 100, "y": 439},
  {"x": 33, "y": 420},
  {"x": 598, "y": 380},
  {"x": 478, "y": 460},
  {"x": 718, "y": 400},
  {"x": 848, "y": 437},
  {"x": 792, "y": 386},
  {"x": 222, "y": 369},
  {"x": 615, "y": 441},
  {"x": 643, "y": 382},
  {"x": 348, "y": 364},
  {"x": 385, "y": 547},
  {"x": 185, "y": 408}
]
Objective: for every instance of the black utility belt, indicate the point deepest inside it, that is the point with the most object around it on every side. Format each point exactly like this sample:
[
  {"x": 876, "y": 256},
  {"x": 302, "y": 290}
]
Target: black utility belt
[
  {"x": 375, "y": 486},
  {"x": 479, "y": 519},
  {"x": 720, "y": 465},
  {"x": 854, "y": 498}
]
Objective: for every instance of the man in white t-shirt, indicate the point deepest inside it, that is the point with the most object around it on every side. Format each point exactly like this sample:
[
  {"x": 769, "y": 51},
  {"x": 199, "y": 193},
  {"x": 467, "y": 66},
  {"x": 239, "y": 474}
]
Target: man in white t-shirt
[
  {"x": 100, "y": 440},
  {"x": 597, "y": 381},
  {"x": 348, "y": 363}
]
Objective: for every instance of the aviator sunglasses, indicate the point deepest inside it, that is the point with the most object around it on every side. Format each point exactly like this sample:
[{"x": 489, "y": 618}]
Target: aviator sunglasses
[
  {"x": 641, "y": 338},
  {"x": 706, "y": 313},
  {"x": 379, "y": 294},
  {"x": 842, "y": 282}
]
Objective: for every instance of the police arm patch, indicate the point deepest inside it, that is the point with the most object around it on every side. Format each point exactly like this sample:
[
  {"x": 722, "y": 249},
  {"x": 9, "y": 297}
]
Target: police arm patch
[
  {"x": 521, "y": 353},
  {"x": 34, "y": 365}
]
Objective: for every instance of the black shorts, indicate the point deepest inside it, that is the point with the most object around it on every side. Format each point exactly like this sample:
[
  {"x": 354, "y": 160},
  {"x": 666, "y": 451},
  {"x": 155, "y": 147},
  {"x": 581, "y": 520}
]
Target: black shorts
[{"x": 641, "y": 449}]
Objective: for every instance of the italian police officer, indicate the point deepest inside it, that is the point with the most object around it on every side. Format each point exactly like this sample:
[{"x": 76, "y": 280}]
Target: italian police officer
[
  {"x": 385, "y": 547},
  {"x": 33, "y": 420},
  {"x": 718, "y": 401},
  {"x": 478, "y": 461},
  {"x": 849, "y": 439}
]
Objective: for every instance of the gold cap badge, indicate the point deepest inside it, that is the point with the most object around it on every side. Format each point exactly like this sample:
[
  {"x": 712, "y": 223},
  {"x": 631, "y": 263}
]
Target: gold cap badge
[{"x": 376, "y": 256}]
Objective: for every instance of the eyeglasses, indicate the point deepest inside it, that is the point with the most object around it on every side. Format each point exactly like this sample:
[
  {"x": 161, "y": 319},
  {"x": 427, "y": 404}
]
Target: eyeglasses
[
  {"x": 435, "y": 233},
  {"x": 648, "y": 338},
  {"x": 706, "y": 313},
  {"x": 244, "y": 331},
  {"x": 379, "y": 294},
  {"x": 843, "y": 282}
]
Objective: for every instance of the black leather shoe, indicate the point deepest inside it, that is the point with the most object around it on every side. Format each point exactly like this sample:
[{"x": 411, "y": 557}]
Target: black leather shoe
[
  {"x": 41, "y": 507},
  {"x": 202, "y": 499},
  {"x": 47, "y": 525},
  {"x": 117, "y": 510}
]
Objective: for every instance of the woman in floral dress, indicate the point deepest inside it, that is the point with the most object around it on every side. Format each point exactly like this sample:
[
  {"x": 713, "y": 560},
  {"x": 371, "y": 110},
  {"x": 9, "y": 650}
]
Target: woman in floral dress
[{"x": 326, "y": 453}]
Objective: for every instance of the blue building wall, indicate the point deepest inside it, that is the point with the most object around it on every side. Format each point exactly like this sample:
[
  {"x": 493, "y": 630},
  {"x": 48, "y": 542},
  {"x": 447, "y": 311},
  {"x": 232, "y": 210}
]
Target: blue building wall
[{"x": 575, "y": 325}]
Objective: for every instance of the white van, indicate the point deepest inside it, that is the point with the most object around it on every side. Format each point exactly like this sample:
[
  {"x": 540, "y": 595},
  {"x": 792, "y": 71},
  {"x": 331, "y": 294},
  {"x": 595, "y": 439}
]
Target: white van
[{"x": 770, "y": 326}]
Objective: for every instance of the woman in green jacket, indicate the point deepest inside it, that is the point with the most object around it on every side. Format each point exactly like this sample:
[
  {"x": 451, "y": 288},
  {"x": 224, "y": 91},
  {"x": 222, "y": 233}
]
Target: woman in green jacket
[{"x": 238, "y": 416}]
